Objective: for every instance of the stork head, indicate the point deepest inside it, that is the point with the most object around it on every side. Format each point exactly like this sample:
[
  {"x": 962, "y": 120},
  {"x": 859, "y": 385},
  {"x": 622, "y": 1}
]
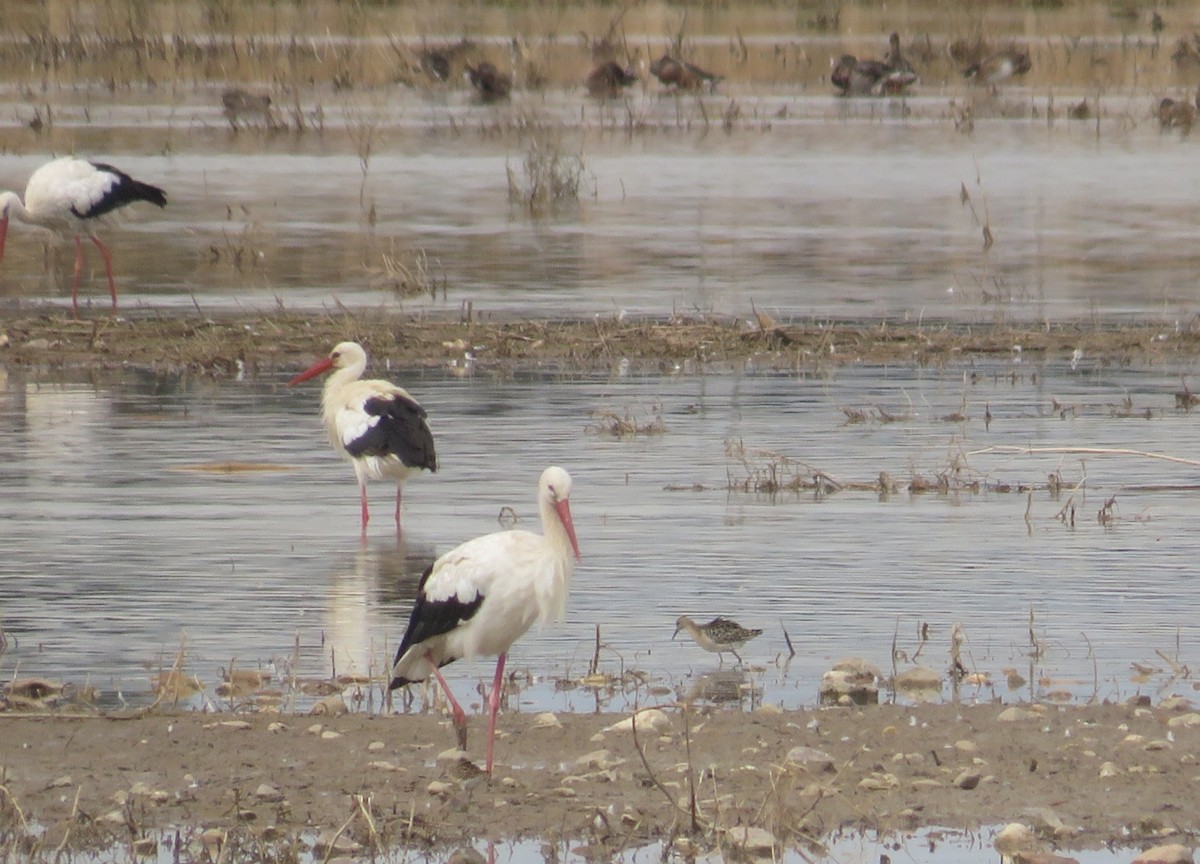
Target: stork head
[
  {"x": 343, "y": 355},
  {"x": 555, "y": 489}
]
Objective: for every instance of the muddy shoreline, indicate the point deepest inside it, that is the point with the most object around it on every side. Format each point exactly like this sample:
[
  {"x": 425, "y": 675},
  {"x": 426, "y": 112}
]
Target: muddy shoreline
[
  {"x": 1078, "y": 776},
  {"x": 250, "y": 343}
]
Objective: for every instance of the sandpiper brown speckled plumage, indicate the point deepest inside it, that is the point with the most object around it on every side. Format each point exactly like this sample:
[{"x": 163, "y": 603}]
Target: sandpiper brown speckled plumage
[{"x": 718, "y": 635}]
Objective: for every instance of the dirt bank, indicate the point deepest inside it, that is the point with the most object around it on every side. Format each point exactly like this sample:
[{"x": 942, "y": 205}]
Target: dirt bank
[
  {"x": 222, "y": 345},
  {"x": 1081, "y": 776}
]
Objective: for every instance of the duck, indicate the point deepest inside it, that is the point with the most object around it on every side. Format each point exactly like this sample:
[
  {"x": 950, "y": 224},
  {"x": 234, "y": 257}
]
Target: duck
[
  {"x": 490, "y": 83},
  {"x": 854, "y": 77},
  {"x": 895, "y": 59},
  {"x": 1175, "y": 114},
  {"x": 682, "y": 75},
  {"x": 608, "y": 80},
  {"x": 999, "y": 66}
]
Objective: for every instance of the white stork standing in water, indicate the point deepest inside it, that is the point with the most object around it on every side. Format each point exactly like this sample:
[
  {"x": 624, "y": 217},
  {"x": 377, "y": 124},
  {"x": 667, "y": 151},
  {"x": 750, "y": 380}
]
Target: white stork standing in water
[
  {"x": 482, "y": 596},
  {"x": 70, "y": 196},
  {"x": 378, "y": 426}
]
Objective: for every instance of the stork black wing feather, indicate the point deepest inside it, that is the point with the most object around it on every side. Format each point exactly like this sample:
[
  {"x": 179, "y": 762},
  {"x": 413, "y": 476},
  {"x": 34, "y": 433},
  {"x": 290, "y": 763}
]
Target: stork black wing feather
[
  {"x": 125, "y": 191},
  {"x": 432, "y": 618},
  {"x": 401, "y": 432}
]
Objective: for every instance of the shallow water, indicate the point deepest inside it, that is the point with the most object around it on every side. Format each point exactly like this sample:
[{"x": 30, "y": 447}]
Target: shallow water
[
  {"x": 770, "y": 190},
  {"x": 119, "y": 551}
]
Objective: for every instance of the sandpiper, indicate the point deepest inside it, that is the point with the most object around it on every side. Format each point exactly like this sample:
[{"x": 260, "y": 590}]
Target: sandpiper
[{"x": 718, "y": 635}]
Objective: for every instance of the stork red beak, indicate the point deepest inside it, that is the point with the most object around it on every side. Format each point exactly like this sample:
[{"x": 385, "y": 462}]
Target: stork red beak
[
  {"x": 563, "y": 508},
  {"x": 322, "y": 365},
  {"x": 3, "y": 235}
]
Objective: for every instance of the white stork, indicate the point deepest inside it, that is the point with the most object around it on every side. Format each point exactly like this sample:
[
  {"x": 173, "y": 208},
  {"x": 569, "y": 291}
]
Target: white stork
[
  {"x": 378, "y": 426},
  {"x": 482, "y": 596},
  {"x": 70, "y": 196}
]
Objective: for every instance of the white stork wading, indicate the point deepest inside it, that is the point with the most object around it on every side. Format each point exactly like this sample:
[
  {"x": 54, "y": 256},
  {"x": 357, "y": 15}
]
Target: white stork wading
[
  {"x": 375, "y": 424},
  {"x": 482, "y": 596},
  {"x": 71, "y": 196}
]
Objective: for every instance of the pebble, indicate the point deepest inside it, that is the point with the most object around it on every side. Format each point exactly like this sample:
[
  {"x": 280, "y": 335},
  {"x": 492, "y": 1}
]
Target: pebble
[
  {"x": 648, "y": 718},
  {"x": 547, "y": 720},
  {"x": 439, "y": 788},
  {"x": 1108, "y": 769},
  {"x": 565, "y": 792},
  {"x": 1186, "y": 720},
  {"x": 145, "y": 846},
  {"x": 1046, "y": 821},
  {"x": 1171, "y": 853},
  {"x": 601, "y": 759},
  {"x": 1014, "y": 838},
  {"x": 967, "y": 779},
  {"x": 926, "y": 784},
  {"x": 878, "y": 782},
  {"x": 810, "y": 758},
  {"x": 277, "y": 727},
  {"x": 384, "y": 765},
  {"x": 1159, "y": 744},
  {"x": 60, "y": 782},
  {"x": 314, "y": 729},
  {"x": 332, "y": 841},
  {"x": 332, "y": 705},
  {"x": 235, "y": 724},
  {"x": 375, "y": 746},
  {"x": 1014, "y": 715},
  {"x": 466, "y": 855},
  {"x": 849, "y": 686},
  {"x": 267, "y": 792},
  {"x": 918, "y": 678},
  {"x": 451, "y": 755},
  {"x": 753, "y": 841},
  {"x": 965, "y": 746},
  {"x": 114, "y": 817}
]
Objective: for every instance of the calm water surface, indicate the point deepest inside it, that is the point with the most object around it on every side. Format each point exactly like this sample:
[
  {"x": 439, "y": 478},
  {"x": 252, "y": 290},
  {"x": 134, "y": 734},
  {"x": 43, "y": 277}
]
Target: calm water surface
[{"x": 118, "y": 551}]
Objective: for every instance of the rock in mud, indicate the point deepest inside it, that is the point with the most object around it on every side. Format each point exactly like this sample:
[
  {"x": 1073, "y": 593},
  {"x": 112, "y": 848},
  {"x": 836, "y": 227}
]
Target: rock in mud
[
  {"x": 752, "y": 841},
  {"x": 1015, "y": 838},
  {"x": 647, "y": 719},
  {"x": 918, "y": 678},
  {"x": 850, "y": 681},
  {"x": 810, "y": 758},
  {"x": 968, "y": 779},
  {"x": 1172, "y": 853}
]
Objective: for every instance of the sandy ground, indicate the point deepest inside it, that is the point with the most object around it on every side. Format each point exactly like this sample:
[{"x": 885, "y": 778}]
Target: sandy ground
[{"x": 1079, "y": 776}]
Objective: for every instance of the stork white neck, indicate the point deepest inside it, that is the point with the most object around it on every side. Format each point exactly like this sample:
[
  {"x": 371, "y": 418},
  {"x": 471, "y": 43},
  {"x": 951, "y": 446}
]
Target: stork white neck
[
  {"x": 352, "y": 371},
  {"x": 12, "y": 207}
]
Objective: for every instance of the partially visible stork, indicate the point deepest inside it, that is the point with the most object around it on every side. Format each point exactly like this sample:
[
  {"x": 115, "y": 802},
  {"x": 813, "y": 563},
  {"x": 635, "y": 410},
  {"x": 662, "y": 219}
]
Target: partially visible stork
[
  {"x": 70, "y": 196},
  {"x": 482, "y": 596},
  {"x": 378, "y": 426}
]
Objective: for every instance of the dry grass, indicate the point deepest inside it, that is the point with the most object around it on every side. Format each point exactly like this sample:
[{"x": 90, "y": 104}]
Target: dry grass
[
  {"x": 546, "y": 176},
  {"x": 628, "y": 424}
]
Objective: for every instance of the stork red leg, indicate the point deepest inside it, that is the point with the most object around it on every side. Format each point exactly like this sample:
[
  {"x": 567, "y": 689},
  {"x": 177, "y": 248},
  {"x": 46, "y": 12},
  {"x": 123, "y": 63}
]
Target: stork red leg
[
  {"x": 399, "y": 495},
  {"x": 460, "y": 717},
  {"x": 493, "y": 707},
  {"x": 78, "y": 276},
  {"x": 365, "y": 515},
  {"x": 112, "y": 285}
]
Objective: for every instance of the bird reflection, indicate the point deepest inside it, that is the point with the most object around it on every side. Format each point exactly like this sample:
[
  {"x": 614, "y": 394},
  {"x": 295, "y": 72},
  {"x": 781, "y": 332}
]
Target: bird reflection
[
  {"x": 377, "y": 576},
  {"x": 724, "y": 687}
]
